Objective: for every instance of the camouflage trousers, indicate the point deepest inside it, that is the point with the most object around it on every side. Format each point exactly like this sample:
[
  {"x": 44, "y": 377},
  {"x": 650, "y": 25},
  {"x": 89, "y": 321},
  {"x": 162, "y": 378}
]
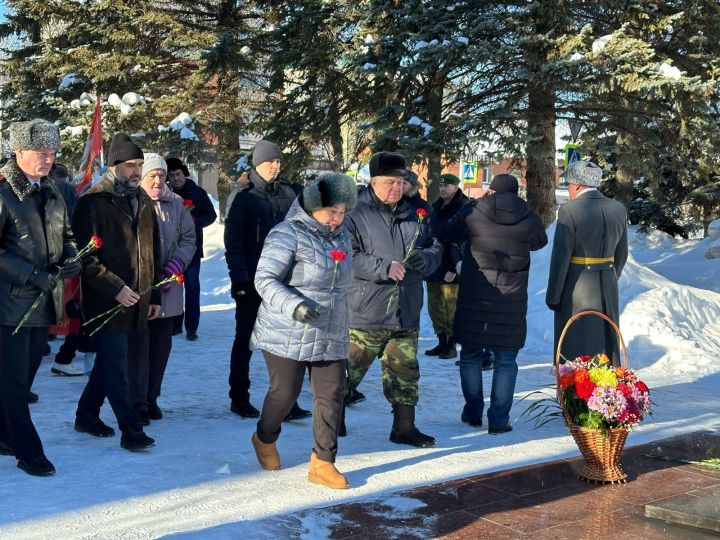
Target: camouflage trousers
[
  {"x": 442, "y": 300},
  {"x": 397, "y": 350}
]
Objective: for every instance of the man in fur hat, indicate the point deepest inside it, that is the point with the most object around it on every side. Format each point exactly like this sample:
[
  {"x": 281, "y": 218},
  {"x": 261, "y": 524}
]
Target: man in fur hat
[
  {"x": 387, "y": 295},
  {"x": 589, "y": 252},
  {"x": 35, "y": 242},
  {"x": 130, "y": 261}
]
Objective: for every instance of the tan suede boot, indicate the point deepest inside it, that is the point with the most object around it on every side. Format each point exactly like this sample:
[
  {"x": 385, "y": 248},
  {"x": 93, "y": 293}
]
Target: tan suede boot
[
  {"x": 325, "y": 474},
  {"x": 267, "y": 454}
]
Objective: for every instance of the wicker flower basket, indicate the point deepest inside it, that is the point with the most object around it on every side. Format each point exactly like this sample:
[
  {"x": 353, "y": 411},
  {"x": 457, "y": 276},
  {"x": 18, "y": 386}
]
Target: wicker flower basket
[{"x": 600, "y": 451}]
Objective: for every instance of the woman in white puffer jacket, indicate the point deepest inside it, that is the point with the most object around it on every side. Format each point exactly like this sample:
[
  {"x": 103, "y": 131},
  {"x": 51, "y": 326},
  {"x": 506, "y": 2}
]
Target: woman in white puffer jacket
[{"x": 303, "y": 276}]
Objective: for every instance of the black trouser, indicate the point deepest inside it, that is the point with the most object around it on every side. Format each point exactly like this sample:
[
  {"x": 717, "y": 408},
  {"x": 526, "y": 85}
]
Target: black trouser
[
  {"x": 109, "y": 377},
  {"x": 246, "y": 310},
  {"x": 147, "y": 360},
  {"x": 192, "y": 298},
  {"x": 18, "y": 354},
  {"x": 286, "y": 379},
  {"x": 138, "y": 365},
  {"x": 160, "y": 346},
  {"x": 66, "y": 353}
]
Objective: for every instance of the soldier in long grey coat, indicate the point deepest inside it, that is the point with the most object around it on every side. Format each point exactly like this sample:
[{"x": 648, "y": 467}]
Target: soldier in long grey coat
[{"x": 589, "y": 252}]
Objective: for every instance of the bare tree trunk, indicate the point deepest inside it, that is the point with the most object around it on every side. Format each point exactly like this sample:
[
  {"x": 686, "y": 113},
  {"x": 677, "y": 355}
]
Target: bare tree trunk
[
  {"x": 540, "y": 151},
  {"x": 434, "y": 100},
  {"x": 335, "y": 133},
  {"x": 626, "y": 173}
]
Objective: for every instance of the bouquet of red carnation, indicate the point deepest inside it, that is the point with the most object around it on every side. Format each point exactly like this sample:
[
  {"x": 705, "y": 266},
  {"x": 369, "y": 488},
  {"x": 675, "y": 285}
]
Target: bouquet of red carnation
[
  {"x": 422, "y": 214},
  {"x": 94, "y": 244},
  {"x": 110, "y": 314}
]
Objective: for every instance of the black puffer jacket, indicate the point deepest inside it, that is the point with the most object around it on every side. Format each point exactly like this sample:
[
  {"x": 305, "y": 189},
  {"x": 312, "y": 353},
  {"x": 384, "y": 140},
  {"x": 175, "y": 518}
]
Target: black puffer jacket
[
  {"x": 203, "y": 214},
  {"x": 34, "y": 235},
  {"x": 492, "y": 301},
  {"x": 381, "y": 234},
  {"x": 253, "y": 211},
  {"x": 439, "y": 216}
]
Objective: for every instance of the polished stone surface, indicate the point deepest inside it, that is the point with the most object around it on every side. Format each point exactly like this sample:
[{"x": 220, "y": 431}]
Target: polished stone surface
[{"x": 690, "y": 510}]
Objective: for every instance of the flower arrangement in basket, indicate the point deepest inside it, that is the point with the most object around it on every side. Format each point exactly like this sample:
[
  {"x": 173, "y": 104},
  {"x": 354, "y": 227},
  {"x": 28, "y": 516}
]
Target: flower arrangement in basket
[{"x": 599, "y": 403}]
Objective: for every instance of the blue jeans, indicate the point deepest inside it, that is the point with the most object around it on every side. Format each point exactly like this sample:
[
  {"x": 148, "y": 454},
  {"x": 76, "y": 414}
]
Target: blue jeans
[
  {"x": 503, "y": 384},
  {"x": 192, "y": 298}
]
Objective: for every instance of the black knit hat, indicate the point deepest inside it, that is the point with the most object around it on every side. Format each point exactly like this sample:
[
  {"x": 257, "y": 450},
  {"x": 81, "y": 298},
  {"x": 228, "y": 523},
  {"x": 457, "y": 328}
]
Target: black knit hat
[
  {"x": 265, "y": 151},
  {"x": 504, "y": 183},
  {"x": 176, "y": 164},
  {"x": 123, "y": 149},
  {"x": 387, "y": 164}
]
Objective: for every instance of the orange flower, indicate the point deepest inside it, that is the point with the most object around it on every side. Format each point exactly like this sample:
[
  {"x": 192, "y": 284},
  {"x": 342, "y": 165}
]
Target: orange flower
[
  {"x": 565, "y": 381},
  {"x": 580, "y": 375},
  {"x": 603, "y": 358},
  {"x": 620, "y": 372}
]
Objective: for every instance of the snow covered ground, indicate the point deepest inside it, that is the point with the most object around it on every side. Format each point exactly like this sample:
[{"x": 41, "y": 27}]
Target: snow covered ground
[{"x": 202, "y": 480}]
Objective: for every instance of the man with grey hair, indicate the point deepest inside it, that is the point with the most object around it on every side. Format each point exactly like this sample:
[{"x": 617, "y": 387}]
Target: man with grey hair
[
  {"x": 588, "y": 255},
  {"x": 35, "y": 242}
]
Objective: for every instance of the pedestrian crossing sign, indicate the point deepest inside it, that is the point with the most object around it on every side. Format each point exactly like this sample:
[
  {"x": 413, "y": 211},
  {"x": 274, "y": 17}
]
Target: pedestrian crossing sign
[
  {"x": 469, "y": 173},
  {"x": 572, "y": 154}
]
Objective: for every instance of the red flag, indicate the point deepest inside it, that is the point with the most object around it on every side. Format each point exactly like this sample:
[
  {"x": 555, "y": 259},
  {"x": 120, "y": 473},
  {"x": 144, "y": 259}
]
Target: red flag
[{"x": 93, "y": 148}]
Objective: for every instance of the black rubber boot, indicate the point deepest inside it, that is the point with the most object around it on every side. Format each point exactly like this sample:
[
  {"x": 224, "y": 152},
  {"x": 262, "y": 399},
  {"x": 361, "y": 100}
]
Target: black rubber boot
[
  {"x": 404, "y": 430},
  {"x": 439, "y": 348},
  {"x": 449, "y": 351}
]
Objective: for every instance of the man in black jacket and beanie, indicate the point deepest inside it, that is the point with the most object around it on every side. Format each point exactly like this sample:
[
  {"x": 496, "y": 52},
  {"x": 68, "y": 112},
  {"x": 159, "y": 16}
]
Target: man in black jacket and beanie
[
  {"x": 442, "y": 285},
  {"x": 253, "y": 210},
  {"x": 129, "y": 263},
  {"x": 203, "y": 214},
  {"x": 35, "y": 242},
  {"x": 501, "y": 231}
]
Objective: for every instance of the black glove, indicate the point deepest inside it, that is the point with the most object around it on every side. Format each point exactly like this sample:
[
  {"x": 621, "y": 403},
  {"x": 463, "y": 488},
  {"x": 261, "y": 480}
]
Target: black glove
[
  {"x": 416, "y": 260},
  {"x": 240, "y": 289},
  {"x": 69, "y": 269},
  {"x": 43, "y": 280},
  {"x": 304, "y": 313}
]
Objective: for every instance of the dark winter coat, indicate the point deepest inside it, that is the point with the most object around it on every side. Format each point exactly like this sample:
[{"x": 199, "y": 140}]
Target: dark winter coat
[
  {"x": 254, "y": 210},
  {"x": 381, "y": 234},
  {"x": 69, "y": 194},
  {"x": 591, "y": 226},
  {"x": 34, "y": 235},
  {"x": 296, "y": 266},
  {"x": 440, "y": 214},
  {"x": 130, "y": 255},
  {"x": 501, "y": 231},
  {"x": 203, "y": 214}
]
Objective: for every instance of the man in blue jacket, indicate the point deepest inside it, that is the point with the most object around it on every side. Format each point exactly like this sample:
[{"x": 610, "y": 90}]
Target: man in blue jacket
[{"x": 387, "y": 293}]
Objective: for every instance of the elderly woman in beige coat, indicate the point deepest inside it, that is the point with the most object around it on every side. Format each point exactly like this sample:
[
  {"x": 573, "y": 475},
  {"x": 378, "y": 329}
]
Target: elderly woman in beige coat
[{"x": 177, "y": 239}]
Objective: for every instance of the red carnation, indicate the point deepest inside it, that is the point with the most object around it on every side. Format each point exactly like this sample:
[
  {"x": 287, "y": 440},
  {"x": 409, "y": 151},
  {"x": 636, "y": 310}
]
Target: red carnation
[
  {"x": 421, "y": 213},
  {"x": 642, "y": 387},
  {"x": 189, "y": 204},
  {"x": 179, "y": 278},
  {"x": 338, "y": 255},
  {"x": 96, "y": 241},
  {"x": 584, "y": 389},
  {"x": 625, "y": 389},
  {"x": 585, "y": 358}
]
